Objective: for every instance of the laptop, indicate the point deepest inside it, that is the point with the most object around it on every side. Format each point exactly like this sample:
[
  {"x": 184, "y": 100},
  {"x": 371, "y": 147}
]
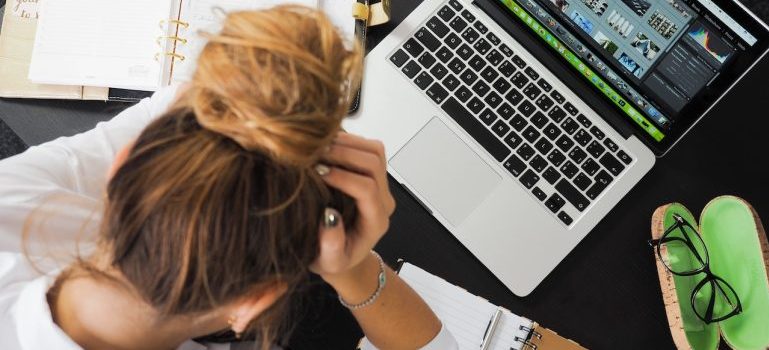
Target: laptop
[{"x": 519, "y": 124}]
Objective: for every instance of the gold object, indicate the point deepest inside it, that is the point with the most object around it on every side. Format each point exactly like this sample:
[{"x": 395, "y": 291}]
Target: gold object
[
  {"x": 174, "y": 38},
  {"x": 360, "y": 11},
  {"x": 174, "y": 21},
  {"x": 169, "y": 54},
  {"x": 379, "y": 13}
]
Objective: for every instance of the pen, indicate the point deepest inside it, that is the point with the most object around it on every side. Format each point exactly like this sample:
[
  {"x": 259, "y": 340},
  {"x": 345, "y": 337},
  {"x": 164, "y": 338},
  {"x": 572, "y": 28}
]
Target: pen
[{"x": 490, "y": 329}]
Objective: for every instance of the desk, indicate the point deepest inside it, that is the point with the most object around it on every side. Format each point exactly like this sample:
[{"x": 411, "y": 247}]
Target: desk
[{"x": 605, "y": 294}]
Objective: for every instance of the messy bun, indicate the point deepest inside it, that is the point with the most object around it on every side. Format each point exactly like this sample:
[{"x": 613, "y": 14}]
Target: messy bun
[{"x": 276, "y": 81}]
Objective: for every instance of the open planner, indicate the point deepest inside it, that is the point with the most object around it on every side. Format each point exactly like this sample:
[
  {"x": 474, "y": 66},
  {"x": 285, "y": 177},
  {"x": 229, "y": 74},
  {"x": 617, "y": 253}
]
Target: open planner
[
  {"x": 468, "y": 317},
  {"x": 139, "y": 44}
]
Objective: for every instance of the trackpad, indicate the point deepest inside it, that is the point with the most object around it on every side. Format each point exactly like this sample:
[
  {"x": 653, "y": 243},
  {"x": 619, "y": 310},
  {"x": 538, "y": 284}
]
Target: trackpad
[{"x": 445, "y": 171}]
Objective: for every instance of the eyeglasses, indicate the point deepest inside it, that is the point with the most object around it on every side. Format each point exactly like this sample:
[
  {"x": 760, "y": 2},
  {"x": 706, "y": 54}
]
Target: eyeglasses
[{"x": 712, "y": 299}]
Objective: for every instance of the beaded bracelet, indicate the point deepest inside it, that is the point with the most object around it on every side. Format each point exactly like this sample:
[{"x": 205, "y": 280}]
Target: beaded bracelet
[{"x": 382, "y": 279}]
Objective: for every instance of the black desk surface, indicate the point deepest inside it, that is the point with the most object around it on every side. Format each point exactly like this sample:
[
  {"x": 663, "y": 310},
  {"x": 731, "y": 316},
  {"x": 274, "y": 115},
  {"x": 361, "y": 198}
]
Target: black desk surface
[{"x": 605, "y": 294}]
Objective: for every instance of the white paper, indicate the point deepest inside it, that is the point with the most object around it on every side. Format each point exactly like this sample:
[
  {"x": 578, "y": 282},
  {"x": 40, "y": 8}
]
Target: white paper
[{"x": 99, "y": 43}]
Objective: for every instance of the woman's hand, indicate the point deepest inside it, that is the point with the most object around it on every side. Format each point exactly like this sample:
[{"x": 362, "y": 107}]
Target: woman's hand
[{"x": 357, "y": 167}]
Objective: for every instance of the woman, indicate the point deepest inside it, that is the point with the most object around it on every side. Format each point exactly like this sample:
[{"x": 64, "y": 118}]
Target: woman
[{"x": 216, "y": 212}]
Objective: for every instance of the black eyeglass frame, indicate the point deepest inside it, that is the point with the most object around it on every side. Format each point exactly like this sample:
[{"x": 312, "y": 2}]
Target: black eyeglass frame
[{"x": 704, "y": 268}]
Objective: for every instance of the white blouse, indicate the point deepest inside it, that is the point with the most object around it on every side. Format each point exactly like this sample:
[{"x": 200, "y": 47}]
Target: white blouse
[{"x": 61, "y": 184}]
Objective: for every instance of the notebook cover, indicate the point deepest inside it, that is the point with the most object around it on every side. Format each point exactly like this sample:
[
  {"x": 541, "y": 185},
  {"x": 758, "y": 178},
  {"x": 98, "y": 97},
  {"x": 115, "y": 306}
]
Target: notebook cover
[{"x": 549, "y": 340}]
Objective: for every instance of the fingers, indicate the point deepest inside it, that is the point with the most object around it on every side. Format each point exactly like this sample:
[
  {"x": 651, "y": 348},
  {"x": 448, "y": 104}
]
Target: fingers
[
  {"x": 332, "y": 240},
  {"x": 355, "y": 141},
  {"x": 368, "y": 199}
]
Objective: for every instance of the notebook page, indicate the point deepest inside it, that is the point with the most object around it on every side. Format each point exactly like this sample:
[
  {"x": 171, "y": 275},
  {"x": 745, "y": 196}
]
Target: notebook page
[
  {"x": 109, "y": 43},
  {"x": 463, "y": 313}
]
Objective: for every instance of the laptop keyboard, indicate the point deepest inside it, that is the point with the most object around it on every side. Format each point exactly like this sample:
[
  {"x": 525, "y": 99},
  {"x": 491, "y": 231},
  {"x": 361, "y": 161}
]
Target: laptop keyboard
[{"x": 526, "y": 124}]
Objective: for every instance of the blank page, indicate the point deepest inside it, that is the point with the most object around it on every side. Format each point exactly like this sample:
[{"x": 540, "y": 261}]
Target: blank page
[
  {"x": 463, "y": 313},
  {"x": 109, "y": 43}
]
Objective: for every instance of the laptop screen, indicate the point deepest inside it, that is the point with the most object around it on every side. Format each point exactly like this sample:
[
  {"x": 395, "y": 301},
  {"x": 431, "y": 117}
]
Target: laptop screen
[{"x": 661, "y": 63}]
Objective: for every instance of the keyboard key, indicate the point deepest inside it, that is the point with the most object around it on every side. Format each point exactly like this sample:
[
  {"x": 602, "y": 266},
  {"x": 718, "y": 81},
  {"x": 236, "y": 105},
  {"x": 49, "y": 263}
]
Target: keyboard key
[
  {"x": 468, "y": 16},
  {"x": 556, "y": 158},
  {"x": 399, "y": 58},
  {"x": 463, "y": 94},
  {"x": 570, "y": 108},
  {"x": 505, "y": 111},
  {"x": 452, "y": 40},
  {"x": 551, "y": 175},
  {"x": 413, "y": 47},
  {"x": 532, "y": 91},
  {"x": 506, "y": 50},
  {"x": 444, "y": 54},
  {"x": 590, "y": 167},
  {"x": 500, "y": 128},
  {"x": 518, "y": 122},
  {"x": 494, "y": 58},
  {"x": 426, "y": 60},
  {"x": 465, "y": 52},
  {"x": 487, "y": 117},
  {"x": 439, "y": 71},
  {"x": 515, "y": 165},
  {"x": 612, "y": 164},
  {"x": 595, "y": 149},
  {"x": 602, "y": 180},
  {"x": 513, "y": 140},
  {"x": 564, "y": 143},
  {"x": 493, "y": 100},
  {"x": 437, "y": 93},
  {"x": 537, "y": 192},
  {"x": 572, "y": 194},
  {"x": 610, "y": 145},
  {"x": 577, "y": 155},
  {"x": 624, "y": 157},
  {"x": 529, "y": 179},
  {"x": 568, "y": 169},
  {"x": 507, "y": 69},
  {"x": 526, "y": 108},
  {"x": 582, "y": 137},
  {"x": 520, "y": 80},
  {"x": 411, "y": 69},
  {"x": 451, "y": 82},
  {"x": 539, "y": 120},
  {"x": 525, "y": 151},
  {"x": 544, "y": 102},
  {"x": 427, "y": 39},
  {"x": 481, "y": 27},
  {"x": 582, "y": 119},
  {"x": 544, "y": 85},
  {"x": 481, "y": 88},
  {"x": 446, "y": 13},
  {"x": 423, "y": 80},
  {"x": 501, "y": 85},
  {"x": 493, "y": 39},
  {"x": 470, "y": 35},
  {"x": 543, "y": 146},
  {"x": 557, "y": 97},
  {"x": 514, "y": 97},
  {"x": 475, "y": 105},
  {"x": 482, "y": 46},
  {"x": 455, "y": 4},
  {"x": 532, "y": 73},
  {"x": 557, "y": 114},
  {"x": 597, "y": 133},
  {"x": 468, "y": 77},
  {"x": 477, "y": 63},
  {"x": 518, "y": 61},
  {"x": 531, "y": 134},
  {"x": 538, "y": 163},
  {"x": 582, "y": 181},
  {"x": 489, "y": 74},
  {"x": 555, "y": 203},
  {"x": 437, "y": 27},
  {"x": 565, "y": 218},
  {"x": 478, "y": 131},
  {"x": 570, "y": 126},
  {"x": 552, "y": 132},
  {"x": 457, "y": 66}
]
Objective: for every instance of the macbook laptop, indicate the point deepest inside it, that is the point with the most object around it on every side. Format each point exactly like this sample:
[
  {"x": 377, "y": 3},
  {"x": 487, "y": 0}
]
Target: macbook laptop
[{"x": 519, "y": 124}]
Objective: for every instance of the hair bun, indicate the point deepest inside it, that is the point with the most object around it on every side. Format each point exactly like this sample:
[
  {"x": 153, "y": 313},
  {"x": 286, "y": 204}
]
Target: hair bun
[{"x": 276, "y": 81}]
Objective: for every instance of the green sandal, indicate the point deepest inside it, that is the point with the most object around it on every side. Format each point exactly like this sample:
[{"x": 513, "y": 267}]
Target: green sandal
[{"x": 738, "y": 253}]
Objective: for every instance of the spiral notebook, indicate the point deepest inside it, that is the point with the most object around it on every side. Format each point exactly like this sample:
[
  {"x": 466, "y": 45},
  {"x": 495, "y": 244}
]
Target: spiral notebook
[
  {"x": 139, "y": 44},
  {"x": 468, "y": 317}
]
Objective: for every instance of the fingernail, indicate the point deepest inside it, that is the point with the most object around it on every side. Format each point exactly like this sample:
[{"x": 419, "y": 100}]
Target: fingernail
[
  {"x": 322, "y": 169},
  {"x": 330, "y": 218}
]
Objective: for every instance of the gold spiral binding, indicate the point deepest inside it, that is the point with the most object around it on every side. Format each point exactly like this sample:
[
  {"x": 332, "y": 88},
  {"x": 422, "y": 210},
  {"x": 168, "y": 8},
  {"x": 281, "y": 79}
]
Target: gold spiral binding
[
  {"x": 531, "y": 331},
  {"x": 173, "y": 55},
  {"x": 173, "y": 38},
  {"x": 184, "y": 24},
  {"x": 526, "y": 343}
]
